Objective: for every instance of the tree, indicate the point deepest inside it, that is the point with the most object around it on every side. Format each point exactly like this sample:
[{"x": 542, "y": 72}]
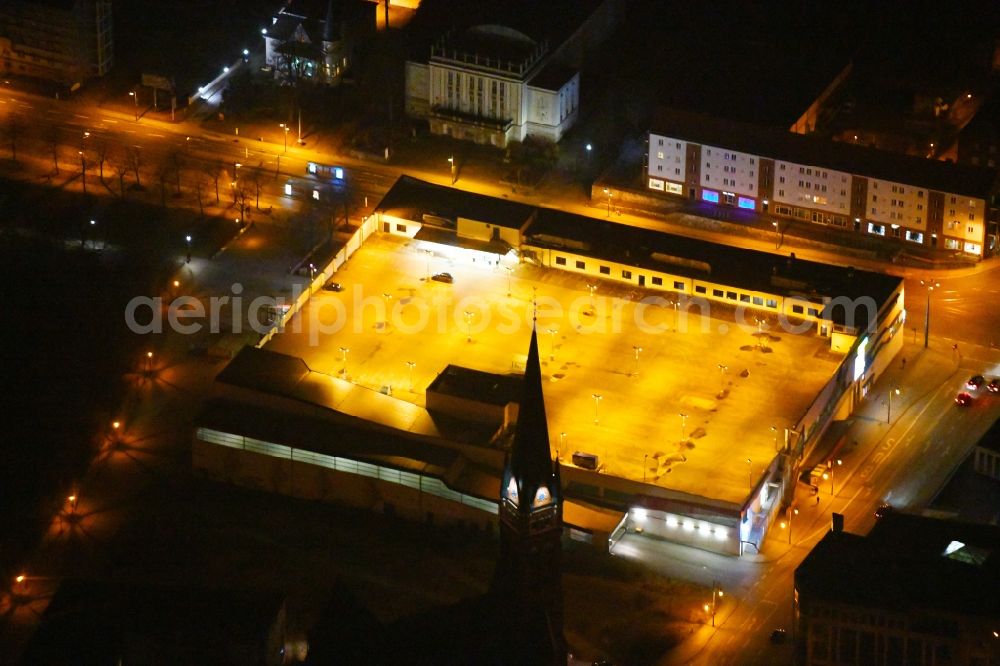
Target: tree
[
  {"x": 101, "y": 148},
  {"x": 240, "y": 196},
  {"x": 52, "y": 138},
  {"x": 133, "y": 158},
  {"x": 121, "y": 165},
  {"x": 13, "y": 129},
  {"x": 176, "y": 163},
  {"x": 162, "y": 175},
  {"x": 213, "y": 170},
  {"x": 256, "y": 176}
]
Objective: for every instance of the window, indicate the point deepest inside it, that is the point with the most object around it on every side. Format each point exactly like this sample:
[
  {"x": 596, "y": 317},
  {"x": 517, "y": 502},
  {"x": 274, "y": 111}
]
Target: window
[
  {"x": 914, "y": 236},
  {"x": 878, "y": 229},
  {"x": 657, "y": 281},
  {"x": 627, "y": 275},
  {"x": 660, "y": 142},
  {"x": 560, "y": 261},
  {"x": 797, "y": 309},
  {"x": 812, "y": 312},
  {"x": 972, "y": 229},
  {"x": 678, "y": 285},
  {"x": 659, "y": 155},
  {"x": 731, "y": 295},
  {"x": 401, "y": 227},
  {"x": 744, "y": 298},
  {"x": 771, "y": 303},
  {"x": 698, "y": 289},
  {"x": 581, "y": 264},
  {"x": 605, "y": 270},
  {"x": 757, "y": 300},
  {"x": 972, "y": 216},
  {"x": 717, "y": 293}
]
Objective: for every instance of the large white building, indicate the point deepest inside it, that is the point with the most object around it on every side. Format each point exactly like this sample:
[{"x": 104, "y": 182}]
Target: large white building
[
  {"x": 921, "y": 202},
  {"x": 495, "y": 82}
]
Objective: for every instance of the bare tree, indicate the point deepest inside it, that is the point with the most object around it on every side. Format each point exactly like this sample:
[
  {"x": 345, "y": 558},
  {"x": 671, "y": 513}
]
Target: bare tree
[
  {"x": 162, "y": 175},
  {"x": 133, "y": 158},
  {"x": 201, "y": 204},
  {"x": 101, "y": 148},
  {"x": 256, "y": 176},
  {"x": 121, "y": 165},
  {"x": 176, "y": 163},
  {"x": 53, "y": 140},
  {"x": 13, "y": 129},
  {"x": 213, "y": 170},
  {"x": 240, "y": 196}
]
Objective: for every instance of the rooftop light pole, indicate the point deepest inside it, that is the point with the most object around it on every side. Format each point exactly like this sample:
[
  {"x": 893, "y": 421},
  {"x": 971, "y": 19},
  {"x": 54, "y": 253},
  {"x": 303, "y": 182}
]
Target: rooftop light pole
[
  {"x": 597, "y": 404},
  {"x": 607, "y": 191},
  {"x": 135, "y": 99},
  {"x": 888, "y": 411},
  {"x": 409, "y": 366}
]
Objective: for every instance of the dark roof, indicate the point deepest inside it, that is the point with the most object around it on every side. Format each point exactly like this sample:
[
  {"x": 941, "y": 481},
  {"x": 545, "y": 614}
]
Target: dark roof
[
  {"x": 552, "y": 77},
  {"x": 699, "y": 259},
  {"x": 552, "y": 21},
  {"x": 991, "y": 440},
  {"x": 901, "y": 565},
  {"x": 816, "y": 151},
  {"x": 264, "y": 370},
  {"x": 530, "y": 461},
  {"x": 487, "y": 387},
  {"x": 412, "y": 198}
]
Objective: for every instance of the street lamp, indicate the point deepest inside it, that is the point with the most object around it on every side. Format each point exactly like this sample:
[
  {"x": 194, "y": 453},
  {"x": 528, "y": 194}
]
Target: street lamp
[
  {"x": 343, "y": 358},
  {"x": 188, "y": 240},
  {"x": 716, "y": 594},
  {"x": 149, "y": 363},
  {"x": 509, "y": 270},
  {"x": 888, "y": 412},
  {"x": 722, "y": 377},
  {"x": 429, "y": 254},
  {"x": 637, "y": 350},
  {"x": 644, "y": 457},
  {"x": 608, "y": 192},
  {"x": 750, "y": 466},
  {"x": 454, "y": 174},
  {"x": 410, "y": 365},
  {"x": 469, "y": 314},
  {"x": 829, "y": 472},
  {"x": 791, "y": 512},
  {"x": 83, "y": 170},
  {"x": 777, "y": 230},
  {"x": 597, "y": 403},
  {"x": 774, "y": 432},
  {"x": 927, "y": 313},
  {"x": 552, "y": 343},
  {"x": 388, "y": 297},
  {"x": 684, "y": 418},
  {"x": 285, "y": 129},
  {"x": 135, "y": 98},
  {"x": 592, "y": 288}
]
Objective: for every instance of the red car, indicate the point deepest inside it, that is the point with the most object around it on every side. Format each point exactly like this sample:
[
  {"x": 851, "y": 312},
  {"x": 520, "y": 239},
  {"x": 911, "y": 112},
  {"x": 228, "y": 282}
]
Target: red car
[{"x": 963, "y": 399}]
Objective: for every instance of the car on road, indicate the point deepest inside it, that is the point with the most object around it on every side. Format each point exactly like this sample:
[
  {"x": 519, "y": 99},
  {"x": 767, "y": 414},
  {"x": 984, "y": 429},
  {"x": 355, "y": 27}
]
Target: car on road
[
  {"x": 883, "y": 510},
  {"x": 963, "y": 399},
  {"x": 443, "y": 277},
  {"x": 993, "y": 386},
  {"x": 778, "y": 636},
  {"x": 974, "y": 382},
  {"x": 333, "y": 286}
]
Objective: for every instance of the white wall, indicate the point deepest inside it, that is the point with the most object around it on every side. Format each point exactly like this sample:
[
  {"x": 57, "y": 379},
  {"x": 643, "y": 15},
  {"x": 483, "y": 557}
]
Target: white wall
[
  {"x": 667, "y": 158},
  {"x": 728, "y": 170},
  {"x": 812, "y": 187}
]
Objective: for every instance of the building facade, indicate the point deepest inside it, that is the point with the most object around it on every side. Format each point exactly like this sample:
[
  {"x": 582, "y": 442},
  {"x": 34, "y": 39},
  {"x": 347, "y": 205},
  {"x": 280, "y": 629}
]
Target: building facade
[
  {"x": 318, "y": 42},
  {"x": 65, "y": 41},
  {"x": 916, "y": 590},
  {"x": 493, "y": 84},
  {"x": 919, "y": 202}
]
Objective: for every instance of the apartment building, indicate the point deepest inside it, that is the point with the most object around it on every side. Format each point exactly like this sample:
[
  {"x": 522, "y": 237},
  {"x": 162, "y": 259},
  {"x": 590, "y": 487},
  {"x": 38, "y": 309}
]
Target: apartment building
[
  {"x": 924, "y": 203},
  {"x": 66, "y": 41}
]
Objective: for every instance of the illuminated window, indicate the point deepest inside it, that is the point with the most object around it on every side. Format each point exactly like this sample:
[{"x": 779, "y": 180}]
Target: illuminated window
[
  {"x": 745, "y": 202},
  {"x": 512, "y": 491},
  {"x": 710, "y": 196},
  {"x": 542, "y": 497}
]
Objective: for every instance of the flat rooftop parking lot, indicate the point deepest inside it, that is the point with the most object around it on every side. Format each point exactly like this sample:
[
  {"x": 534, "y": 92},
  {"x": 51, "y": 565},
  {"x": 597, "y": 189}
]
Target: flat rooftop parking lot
[{"x": 731, "y": 383}]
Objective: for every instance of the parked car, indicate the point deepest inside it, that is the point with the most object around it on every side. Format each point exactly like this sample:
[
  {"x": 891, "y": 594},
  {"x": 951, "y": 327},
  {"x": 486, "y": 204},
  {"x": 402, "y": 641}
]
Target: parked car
[
  {"x": 333, "y": 286},
  {"x": 963, "y": 399},
  {"x": 994, "y": 385},
  {"x": 443, "y": 277},
  {"x": 974, "y": 382},
  {"x": 778, "y": 636},
  {"x": 883, "y": 510}
]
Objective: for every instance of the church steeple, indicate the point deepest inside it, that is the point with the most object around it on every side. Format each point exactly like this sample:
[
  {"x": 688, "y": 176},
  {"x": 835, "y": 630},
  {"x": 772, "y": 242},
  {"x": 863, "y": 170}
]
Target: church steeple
[
  {"x": 528, "y": 482},
  {"x": 329, "y": 23},
  {"x": 528, "y": 579}
]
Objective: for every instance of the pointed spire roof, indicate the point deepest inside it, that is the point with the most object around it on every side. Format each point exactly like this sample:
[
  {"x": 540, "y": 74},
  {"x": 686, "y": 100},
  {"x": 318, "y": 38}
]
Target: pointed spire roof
[
  {"x": 530, "y": 462},
  {"x": 328, "y": 23}
]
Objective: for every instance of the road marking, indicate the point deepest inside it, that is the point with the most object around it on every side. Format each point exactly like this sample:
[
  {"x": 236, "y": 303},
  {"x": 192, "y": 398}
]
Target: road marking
[
  {"x": 77, "y": 115},
  {"x": 162, "y": 136},
  {"x": 109, "y": 120}
]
